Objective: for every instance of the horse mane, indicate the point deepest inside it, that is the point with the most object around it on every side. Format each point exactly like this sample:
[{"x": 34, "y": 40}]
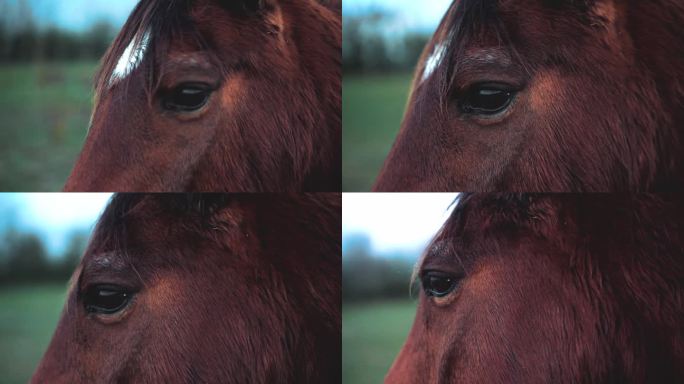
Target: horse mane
[
  {"x": 622, "y": 253},
  {"x": 197, "y": 213},
  {"x": 463, "y": 21},
  {"x": 191, "y": 210},
  {"x": 163, "y": 20}
]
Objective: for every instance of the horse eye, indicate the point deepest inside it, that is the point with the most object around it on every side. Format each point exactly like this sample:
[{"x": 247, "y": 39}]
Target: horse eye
[
  {"x": 186, "y": 98},
  {"x": 487, "y": 99},
  {"x": 438, "y": 284},
  {"x": 106, "y": 299}
]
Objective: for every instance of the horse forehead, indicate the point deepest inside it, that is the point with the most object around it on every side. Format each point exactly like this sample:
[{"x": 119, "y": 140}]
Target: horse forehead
[
  {"x": 472, "y": 57},
  {"x": 106, "y": 260},
  {"x": 485, "y": 56}
]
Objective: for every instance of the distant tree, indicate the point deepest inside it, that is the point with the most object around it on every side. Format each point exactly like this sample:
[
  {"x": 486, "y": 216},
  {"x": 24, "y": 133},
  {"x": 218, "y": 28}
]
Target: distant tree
[
  {"x": 54, "y": 43},
  {"x": 24, "y": 42},
  {"x": 22, "y": 39},
  {"x": 364, "y": 47},
  {"x": 376, "y": 57},
  {"x": 352, "y": 45},
  {"x": 368, "y": 48},
  {"x": 413, "y": 46},
  {"x": 72, "y": 256},
  {"x": 23, "y": 257},
  {"x": 98, "y": 38},
  {"x": 4, "y": 31},
  {"x": 26, "y": 257},
  {"x": 367, "y": 277}
]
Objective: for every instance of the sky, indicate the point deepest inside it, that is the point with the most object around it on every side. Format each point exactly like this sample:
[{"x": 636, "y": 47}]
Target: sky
[
  {"x": 415, "y": 14},
  {"x": 54, "y": 216},
  {"x": 78, "y": 15},
  {"x": 395, "y": 222},
  {"x": 392, "y": 222}
]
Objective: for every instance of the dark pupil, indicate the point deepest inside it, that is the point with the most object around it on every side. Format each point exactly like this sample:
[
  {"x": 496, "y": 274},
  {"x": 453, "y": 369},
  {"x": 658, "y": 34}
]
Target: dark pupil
[
  {"x": 187, "y": 99},
  {"x": 487, "y": 101},
  {"x": 105, "y": 300},
  {"x": 439, "y": 285}
]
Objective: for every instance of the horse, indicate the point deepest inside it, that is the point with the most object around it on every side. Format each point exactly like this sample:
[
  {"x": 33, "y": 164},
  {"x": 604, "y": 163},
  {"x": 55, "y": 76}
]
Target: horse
[
  {"x": 525, "y": 288},
  {"x": 205, "y": 289},
  {"x": 546, "y": 96},
  {"x": 218, "y": 96}
]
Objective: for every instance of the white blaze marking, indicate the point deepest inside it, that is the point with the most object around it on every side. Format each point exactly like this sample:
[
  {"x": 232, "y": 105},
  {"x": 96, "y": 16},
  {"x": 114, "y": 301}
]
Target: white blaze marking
[
  {"x": 434, "y": 61},
  {"x": 132, "y": 57}
]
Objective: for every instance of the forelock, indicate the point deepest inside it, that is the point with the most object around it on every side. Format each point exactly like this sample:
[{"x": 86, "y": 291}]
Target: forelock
[{"x": 150, "y": 28}]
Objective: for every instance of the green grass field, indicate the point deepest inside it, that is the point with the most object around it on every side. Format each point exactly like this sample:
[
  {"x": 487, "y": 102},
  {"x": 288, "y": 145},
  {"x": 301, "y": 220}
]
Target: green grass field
[
  {"x": 373, "y": 107},
  {"x": 45, "y": 111},
  {"x": 28, "y": 317},
  {"x": 372, "y": 335},
  {"x": 46, "y": 108}
]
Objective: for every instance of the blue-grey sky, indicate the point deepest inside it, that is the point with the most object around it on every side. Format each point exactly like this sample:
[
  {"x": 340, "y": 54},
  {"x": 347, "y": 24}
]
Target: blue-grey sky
[
  {"x": 395, "y": 222},
  {"x": 53, "y": 216},
  {"x": 415, "y": 14},
  {"x": 77, "y": 15},
  {"x": 81, "y": 14}
]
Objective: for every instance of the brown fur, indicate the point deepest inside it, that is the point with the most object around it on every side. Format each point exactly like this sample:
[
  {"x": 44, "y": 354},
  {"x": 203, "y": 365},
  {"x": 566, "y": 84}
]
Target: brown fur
[
  {"x": 600, "y": 106},
  {"x": 230, "y": 289},
  {"x": 553, "y": 289},
  {"x": 280, "y": 131}
]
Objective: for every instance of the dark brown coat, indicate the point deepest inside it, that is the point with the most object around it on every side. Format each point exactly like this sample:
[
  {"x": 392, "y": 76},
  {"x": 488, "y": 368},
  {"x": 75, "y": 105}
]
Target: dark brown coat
[
  {"x": 272, "y": 121},
  {"x": 223, "y": 289},
  {"x": 552, "y": 289},
  {"x": 598, "y": 100}
]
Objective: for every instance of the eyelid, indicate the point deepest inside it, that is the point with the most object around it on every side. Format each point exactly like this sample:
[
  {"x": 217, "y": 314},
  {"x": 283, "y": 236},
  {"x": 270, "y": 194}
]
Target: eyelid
[
  {"x": 189, "y": 65},
  {"x": 441, "y": 257},
  {"x": 495, "y": 85},
  {"x": 88, "y": 280},
  {"x": 441, "y": 273},
  {"x": 129, "y": 289},
  {"x": 204, "y": 86},
  {"x": 170, "y": 81},
  {"x": 437, "y": 254},
  {"x": 466, "y": 80}
]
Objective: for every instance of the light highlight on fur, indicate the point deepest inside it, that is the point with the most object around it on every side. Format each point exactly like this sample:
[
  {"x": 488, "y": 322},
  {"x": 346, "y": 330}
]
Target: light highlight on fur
[
  {"x": 131, "y": 58},
  {"x": 434, "y": 61}
]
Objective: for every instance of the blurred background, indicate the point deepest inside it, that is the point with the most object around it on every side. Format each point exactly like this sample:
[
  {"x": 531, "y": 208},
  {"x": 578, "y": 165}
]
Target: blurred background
[
  {"x": 49, "y": 52},
  {"x": 383, "y": 235},
  {"x": 42, "y": 238},
  {"x": 382, "y": 41}
]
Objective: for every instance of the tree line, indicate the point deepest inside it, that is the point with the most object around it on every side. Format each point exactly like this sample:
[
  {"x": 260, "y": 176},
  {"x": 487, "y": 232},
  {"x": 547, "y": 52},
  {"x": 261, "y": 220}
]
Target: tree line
[
  {"x": 369, "y": 47},
  {"x": 24, "y": 257},
  {"x": 367, "y": 277},
  {"x": 22, "y": 39}
]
